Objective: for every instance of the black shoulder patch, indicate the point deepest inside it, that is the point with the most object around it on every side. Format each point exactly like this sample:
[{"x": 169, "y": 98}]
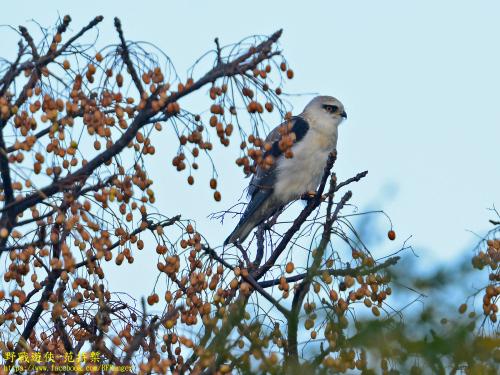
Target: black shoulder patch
[{"x": 300, "y": 128}]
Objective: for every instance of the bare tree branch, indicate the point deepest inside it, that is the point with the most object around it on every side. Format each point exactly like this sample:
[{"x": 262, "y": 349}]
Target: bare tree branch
[{"x": 126, "y": 57}]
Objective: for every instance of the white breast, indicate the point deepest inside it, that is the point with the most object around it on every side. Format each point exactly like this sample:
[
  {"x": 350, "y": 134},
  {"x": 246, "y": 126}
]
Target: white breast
[{"x": 303, "y": 172}]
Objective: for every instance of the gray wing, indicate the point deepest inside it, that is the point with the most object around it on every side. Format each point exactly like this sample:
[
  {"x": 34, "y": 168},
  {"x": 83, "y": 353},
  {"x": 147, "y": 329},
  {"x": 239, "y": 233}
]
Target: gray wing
[
  {"x": 264, "y": 179},
  {"x": 262, "y": 203},
  {"x": 259, "y": 190}
]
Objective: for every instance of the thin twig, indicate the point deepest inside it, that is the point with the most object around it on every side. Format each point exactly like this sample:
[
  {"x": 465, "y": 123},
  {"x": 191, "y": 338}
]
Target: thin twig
[
  {"x": 358, "y": 271},
  {"x": 124, "y": 52}
]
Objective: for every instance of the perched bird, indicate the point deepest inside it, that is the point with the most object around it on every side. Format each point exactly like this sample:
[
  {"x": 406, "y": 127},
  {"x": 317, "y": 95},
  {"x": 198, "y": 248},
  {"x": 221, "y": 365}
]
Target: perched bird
[{"x": 293, "y": 174}]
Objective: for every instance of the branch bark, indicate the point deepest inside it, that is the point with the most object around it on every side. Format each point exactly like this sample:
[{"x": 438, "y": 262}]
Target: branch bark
[
  {"x": 292, "y": 356},
  {"x": 126, "y": 57}
]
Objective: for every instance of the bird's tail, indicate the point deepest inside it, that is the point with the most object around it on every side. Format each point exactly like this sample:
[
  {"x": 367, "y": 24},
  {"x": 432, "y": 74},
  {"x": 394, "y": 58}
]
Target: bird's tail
[
  {"x": 260, "y": 209},
  {"x": 241, "y": 232}
]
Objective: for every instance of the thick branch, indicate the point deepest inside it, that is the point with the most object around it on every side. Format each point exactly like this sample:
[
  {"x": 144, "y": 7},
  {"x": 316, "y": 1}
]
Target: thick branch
[
  {"x": 64, "y": 336},
  {"x": 5, "y": 172},
  {"x": 26, "y": 35},
  {"x": 229, "y": 69},
  {"x": 35, "y": 316}
]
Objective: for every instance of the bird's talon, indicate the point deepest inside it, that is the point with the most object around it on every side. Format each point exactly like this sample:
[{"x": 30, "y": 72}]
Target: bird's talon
[{"x": 309, "y": 196}]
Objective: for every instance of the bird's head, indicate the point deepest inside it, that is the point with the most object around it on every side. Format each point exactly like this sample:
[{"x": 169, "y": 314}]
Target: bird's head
[{"x": 325, "y": 111}]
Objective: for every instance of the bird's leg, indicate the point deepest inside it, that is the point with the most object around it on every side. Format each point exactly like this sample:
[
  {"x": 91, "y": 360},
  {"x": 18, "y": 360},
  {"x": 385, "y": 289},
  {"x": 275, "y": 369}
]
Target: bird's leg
[
  {"x": 311, "y": 194},
  {"x": 307, "y": 196}
]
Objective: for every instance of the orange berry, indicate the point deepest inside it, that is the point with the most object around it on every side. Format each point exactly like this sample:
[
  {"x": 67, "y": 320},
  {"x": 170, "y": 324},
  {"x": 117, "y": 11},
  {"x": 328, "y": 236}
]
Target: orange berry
[
  {"x": 119, "y": 80},
  {"x": 168, "y": 296},
  {"x": 308, "y": 324},
  {"x": 213, "y": 183},
  {"x": 152, "y": 299},
  {"x": 463, "y": 308},
  {"x": 229, "y": 129},
  {"x": 217, "y": 196},
  {"x": 333, "y": 295},
  {"x": 146, "y": 79},
  {"x": 252, "y": 107},
  {"x": 289, "y": 267},
  {"x": 190, "y": 180},
  {"x": 392, "y": 235},
  {"x": 289, "y": 73},
  {"x": 212, "y": 121}
]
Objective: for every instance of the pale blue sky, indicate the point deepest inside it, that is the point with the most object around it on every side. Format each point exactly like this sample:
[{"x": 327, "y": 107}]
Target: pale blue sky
[{"x": 420, "y": 81}]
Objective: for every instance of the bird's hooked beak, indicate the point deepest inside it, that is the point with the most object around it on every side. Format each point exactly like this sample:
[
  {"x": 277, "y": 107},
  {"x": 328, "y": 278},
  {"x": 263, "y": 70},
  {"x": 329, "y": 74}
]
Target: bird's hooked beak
[{"x": 343, "y": 114}]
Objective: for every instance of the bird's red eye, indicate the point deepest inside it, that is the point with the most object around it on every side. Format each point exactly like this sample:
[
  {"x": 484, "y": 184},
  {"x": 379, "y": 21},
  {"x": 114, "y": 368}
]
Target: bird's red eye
[{"x": 330, "y": 108}]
